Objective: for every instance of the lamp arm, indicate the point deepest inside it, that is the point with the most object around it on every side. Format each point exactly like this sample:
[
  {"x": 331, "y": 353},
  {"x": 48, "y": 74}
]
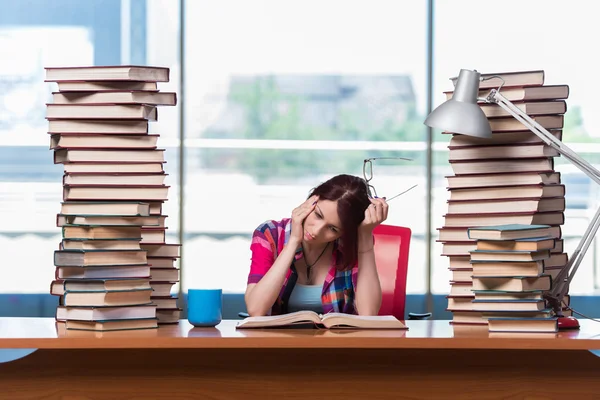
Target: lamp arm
[
  {"x": 564, "y": 278},
  {"x": 497, "y": 98}
]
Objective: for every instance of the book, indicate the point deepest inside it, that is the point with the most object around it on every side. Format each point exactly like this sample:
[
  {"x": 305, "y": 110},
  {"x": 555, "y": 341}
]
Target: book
[
  {"x": 156, "y": 207},
  {"x": 101, "y": 272},
  {"x": 144, "y": 311},
  {"x": 503, "y": 179},
  {"x": 60, "y": 287},
  {"x": 328, "y": 321},
  {"x": 107, "y": 73},
  {"x": 460, "y": 234},
  {"x": 543, "y": 313},
  {"x": 451, "y": 234},
  {"x": 513, "y": 284},
  {"x": 153, "y": 235},
  {"x": 504, "y": 295},
  {"x": 461, "y": 289},
  {"x": 112, "y": 325},
  {"x": 509, "y": 305},
  {"x": 161, "y": 262},
  {"x": 460, "y": 303},
  {"x": 533, "y": 108},
  {"x": 162, "y": 288},
  {"x": 547, "y": 92},
  {"x": 113, "y": 155},
  {"x": 507, "y": 268},
  {"x": 101, "y": 111},
  {"x": 87, "y": 141},
  {"x": 468, "y": 220},
  {"x": 168, "y": 315},
  {"x": 507, "y": 192},
  {"x": 165, "y": 302},
  {"x": 132, "y": 297},
  {"x": 502, "y": 166},
  {"x": 461, "y": 275},
  {"x": 508, "y": 255},
  {"x": 119, "y": 126},
  {"x": 116, "y": 97},
  {"x": 99, "y": 244},
  {"x": 500, "y": 138},
  {"x": 109, "y": 220},
  {"x": 525, "y": 244},
  {"x": 113, "y": 168},
  {"x": 509, "y": 231},
  {"x": 133, "y": 208},
  {"x": 459, "y": 262},
  {"x": 494, "y": 206},
  {"x": 123, "y": 179},
  {"x": 508, "y": 124},
  {"x": 106, "y": 86},
  {"x": 101, "y": 232},
  {"x": 502, "y": 152},
  {"x": 168, "y": 274},
  {"x": 469, "y": 317},
  {"x": 510, "y": 79},
  {"x": 123, "y": 192},
  {"x": 170, "y": 250},
  {"x": 458, "y": 248},
  {"x": 516, "y": 324},
  {"x": 64, "y": 313},
  {"x": 68, "y": 258}
]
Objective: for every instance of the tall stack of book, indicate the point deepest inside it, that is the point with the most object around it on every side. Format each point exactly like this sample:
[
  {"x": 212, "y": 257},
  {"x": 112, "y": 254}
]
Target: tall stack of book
[
  {"x": 510, "y": 276},
  {"x": 113, "y": 269},
  {"x": 506, "y": 179}
]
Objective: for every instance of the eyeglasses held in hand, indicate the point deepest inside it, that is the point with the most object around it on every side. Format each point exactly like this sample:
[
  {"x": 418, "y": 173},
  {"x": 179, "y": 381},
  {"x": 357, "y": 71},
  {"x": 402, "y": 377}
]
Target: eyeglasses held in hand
[{"x": 368, "y": 175}]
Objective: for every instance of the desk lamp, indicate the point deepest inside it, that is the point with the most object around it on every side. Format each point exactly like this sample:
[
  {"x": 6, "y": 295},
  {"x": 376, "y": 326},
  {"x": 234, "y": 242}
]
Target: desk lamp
[{"x": 461, "y": 114}]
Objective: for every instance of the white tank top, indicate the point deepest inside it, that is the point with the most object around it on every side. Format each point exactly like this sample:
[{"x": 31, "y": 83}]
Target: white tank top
[{"x": 306, "y": 297}]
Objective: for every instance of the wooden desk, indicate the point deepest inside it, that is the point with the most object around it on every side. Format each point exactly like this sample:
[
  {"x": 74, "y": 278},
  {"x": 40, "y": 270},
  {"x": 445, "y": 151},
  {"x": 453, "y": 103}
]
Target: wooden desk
[{"x": 432, "y": 360}]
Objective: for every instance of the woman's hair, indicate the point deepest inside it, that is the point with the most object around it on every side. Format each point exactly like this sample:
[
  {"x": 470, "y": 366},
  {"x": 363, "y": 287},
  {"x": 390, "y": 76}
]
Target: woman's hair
[{"x": 353, "y": 199}]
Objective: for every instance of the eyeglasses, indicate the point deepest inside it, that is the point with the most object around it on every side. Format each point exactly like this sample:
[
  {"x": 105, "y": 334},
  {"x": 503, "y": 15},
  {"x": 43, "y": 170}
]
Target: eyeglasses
[{"x": 368, "y": 175}]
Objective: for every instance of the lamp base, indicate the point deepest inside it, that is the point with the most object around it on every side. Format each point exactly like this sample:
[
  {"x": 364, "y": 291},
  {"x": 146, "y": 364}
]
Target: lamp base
[{"x": 565, "y": 323}]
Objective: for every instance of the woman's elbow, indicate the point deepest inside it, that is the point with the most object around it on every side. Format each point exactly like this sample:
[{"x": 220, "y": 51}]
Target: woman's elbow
[{"x": 256, "y": 311}]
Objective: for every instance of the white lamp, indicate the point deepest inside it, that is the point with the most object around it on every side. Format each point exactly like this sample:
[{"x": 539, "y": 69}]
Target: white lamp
[{"x": 461, "y": 114}]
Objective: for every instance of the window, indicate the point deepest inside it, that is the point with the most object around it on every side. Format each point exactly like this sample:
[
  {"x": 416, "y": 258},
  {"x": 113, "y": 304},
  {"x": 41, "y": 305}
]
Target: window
[
  {"x": 281, "y": 96},
  {"x": 105, "y": 32},
  {"x": 520, "y": 36}
]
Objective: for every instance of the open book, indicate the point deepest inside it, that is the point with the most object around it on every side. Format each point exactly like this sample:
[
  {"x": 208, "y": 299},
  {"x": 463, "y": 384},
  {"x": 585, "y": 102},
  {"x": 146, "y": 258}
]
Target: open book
[{"x": 329, "y": 321}]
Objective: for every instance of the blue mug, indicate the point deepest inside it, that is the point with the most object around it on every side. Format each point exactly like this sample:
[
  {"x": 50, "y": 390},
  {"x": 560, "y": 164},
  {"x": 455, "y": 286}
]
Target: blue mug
[{"x": 204, "y": 307}]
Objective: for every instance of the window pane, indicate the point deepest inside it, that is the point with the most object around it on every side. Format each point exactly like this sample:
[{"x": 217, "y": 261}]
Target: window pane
[
  {"x": 91, "y": 33},
  {"x": 484, "y": 40},
  {"x": 284, "y": 100}
]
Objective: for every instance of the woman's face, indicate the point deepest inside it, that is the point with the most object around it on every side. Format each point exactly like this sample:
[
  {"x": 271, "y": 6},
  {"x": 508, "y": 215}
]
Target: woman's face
[{"x": 323, "y": 224}]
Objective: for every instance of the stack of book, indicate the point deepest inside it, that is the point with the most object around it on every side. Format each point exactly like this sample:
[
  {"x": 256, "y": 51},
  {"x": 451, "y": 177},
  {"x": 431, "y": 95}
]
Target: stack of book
[
  {"x": 510, "y": 276},
  {"x": 113, "y": 269},
  {"x": 506, "y": 179}
]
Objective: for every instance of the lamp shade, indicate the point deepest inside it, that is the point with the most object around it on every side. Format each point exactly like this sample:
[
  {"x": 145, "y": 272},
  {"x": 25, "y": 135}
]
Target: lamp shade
[{"x": 461, "y": 114}]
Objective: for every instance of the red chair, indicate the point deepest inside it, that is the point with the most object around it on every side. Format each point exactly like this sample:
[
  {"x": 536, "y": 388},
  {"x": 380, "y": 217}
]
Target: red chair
[{"x": 392, "y": 244}]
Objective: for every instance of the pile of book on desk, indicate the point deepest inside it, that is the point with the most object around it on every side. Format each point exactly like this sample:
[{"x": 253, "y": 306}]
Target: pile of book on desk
[
  {"x": 114, "y": 269},
  {"x": 506, "y": 179},
  {"x": 510, "y": 276}
]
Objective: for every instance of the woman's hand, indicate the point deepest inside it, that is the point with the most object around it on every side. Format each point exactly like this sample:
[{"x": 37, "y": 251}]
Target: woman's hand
[
  {"x": 375, "y": 214},
  {"x": 298, "y": 216}
]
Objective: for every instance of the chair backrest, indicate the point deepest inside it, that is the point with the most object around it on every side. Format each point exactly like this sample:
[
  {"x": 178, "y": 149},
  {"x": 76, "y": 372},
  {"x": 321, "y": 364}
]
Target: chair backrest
[{"x": 392, "y": 244}]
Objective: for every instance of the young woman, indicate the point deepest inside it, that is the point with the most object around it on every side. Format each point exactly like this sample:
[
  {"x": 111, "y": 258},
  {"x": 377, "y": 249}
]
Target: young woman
[{"x": 321, "y": 258}]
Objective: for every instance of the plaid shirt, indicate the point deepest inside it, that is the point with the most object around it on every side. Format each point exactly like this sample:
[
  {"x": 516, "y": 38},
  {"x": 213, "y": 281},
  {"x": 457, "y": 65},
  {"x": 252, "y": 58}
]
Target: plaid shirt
[{"x": 268, "y": 241}]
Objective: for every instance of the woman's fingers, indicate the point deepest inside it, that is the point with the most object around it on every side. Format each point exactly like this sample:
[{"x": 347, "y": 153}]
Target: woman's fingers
[{"x": 378, "y": 210}]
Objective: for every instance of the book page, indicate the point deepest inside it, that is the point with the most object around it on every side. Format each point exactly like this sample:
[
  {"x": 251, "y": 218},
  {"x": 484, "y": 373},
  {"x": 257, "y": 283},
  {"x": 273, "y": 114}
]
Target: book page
[
  {"x": 280, "y": 320},
  {"x": 340, "y": 320}
]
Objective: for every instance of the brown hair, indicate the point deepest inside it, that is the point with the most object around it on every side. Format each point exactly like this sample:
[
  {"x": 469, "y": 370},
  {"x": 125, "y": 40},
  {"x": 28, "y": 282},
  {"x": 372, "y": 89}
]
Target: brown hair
[{"x": 352, "y": 197}]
